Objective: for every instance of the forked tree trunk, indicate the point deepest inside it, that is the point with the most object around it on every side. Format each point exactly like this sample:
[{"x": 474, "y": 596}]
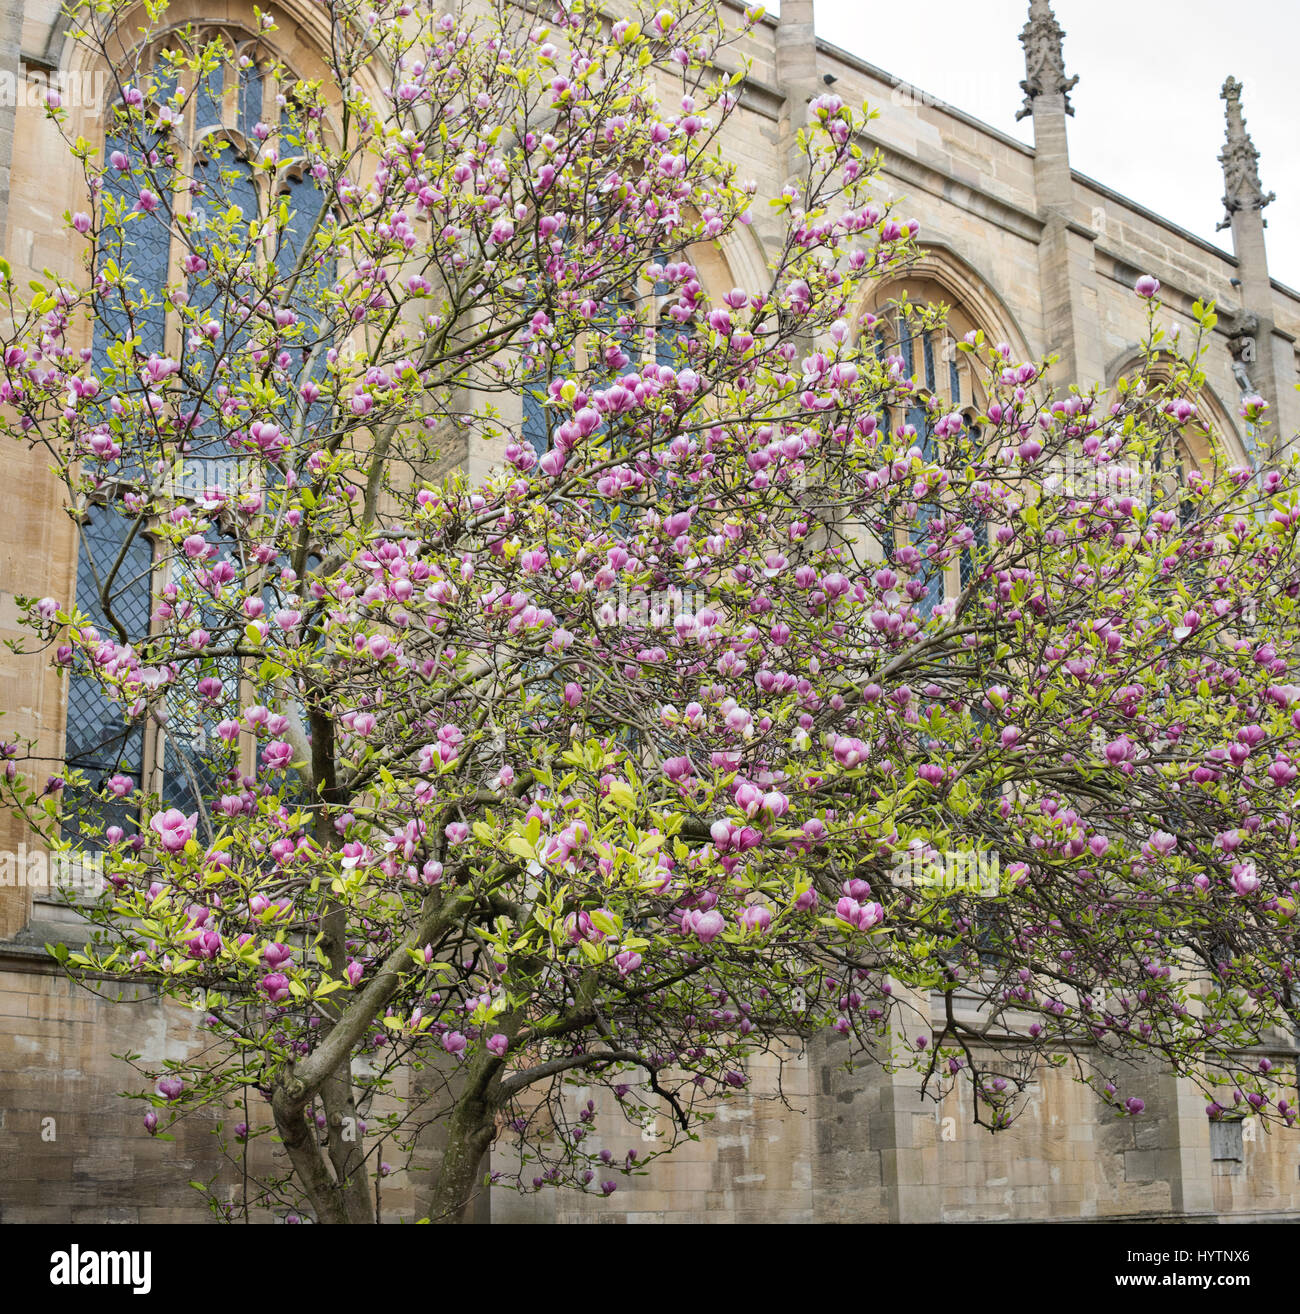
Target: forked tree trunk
[{"x": 470, "y": 1130}]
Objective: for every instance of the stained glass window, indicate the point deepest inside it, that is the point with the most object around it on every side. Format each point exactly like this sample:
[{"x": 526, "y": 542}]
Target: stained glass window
[
  {"x": 221, "y": 127},
  {"x": 923, "y": 354}
]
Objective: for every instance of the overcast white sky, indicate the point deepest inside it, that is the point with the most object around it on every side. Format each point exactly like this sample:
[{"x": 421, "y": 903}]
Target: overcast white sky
[{"x": 1148, "y": 121}]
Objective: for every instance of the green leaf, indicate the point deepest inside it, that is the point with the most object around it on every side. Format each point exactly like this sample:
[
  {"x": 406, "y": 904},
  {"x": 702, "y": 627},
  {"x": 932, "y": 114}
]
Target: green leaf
[
  {"x": 521, "y": 848},
  {"x": 606, "y": 923}
]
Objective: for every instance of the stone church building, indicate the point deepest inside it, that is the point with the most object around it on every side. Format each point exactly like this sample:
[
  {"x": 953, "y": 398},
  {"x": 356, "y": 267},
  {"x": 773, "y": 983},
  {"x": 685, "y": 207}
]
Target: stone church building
[{"x": 1017, "y": 244}]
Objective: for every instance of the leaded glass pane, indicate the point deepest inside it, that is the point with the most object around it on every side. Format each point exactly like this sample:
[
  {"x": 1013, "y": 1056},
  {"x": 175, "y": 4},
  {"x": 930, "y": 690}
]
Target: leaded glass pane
[
  {"x": 970, "y": 561},
  {"x": 190, "y": 743},
  {"x": 207, "y": 102},
  {"x": 250, "y": 98},
  {"x": 905, "y": 348},
  {"x": 920, "y": 532},
  {"x": 98, "y": 740},
  {"x": 141, "y": 249},
  {"x": 535, "y": 427}
]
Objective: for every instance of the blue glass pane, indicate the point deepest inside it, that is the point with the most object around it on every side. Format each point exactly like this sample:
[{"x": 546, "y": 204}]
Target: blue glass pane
[
  {"x": 918, "y": 419},
  {"x": 250, "y": 99},
  {"x": 207, "y": 103},
  {"x": 226, "y": 189},
  {"x": 98, "y": 740},
  {"x": 920, "y": 531},
  {"x": 141, "y": 249},
  {"x": 191, "y": 741},
  {"x": 535, "y": 428},
  {"x": 971, "y": 561},
  {"x": 305, "y": 201},
  {"x": 883, "y": 418},
  {"x": 190, "y": 744},
  {"x": 954, "y": 380},
  {"x": 225, "y": 184},
  {"x": 164, "y": 77},
  {"x": 927, "y": 347},
  {"x": 1186, "y": 507},
  {"x": 670, "y": 343}
]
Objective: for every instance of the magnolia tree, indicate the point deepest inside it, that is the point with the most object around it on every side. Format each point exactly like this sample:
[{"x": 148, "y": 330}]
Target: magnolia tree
[{"x": 647, "y": 752}]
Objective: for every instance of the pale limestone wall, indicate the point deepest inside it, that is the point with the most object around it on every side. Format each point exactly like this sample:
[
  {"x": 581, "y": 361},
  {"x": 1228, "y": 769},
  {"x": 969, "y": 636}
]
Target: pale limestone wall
[
  {"x": 849, "y": 1147},
  {"x": 854, "y": 1146},
  {"x": 754, "y": 1162},
  {"x": 865, "y": 1147},
  {"x": 72, "y": 1150}
]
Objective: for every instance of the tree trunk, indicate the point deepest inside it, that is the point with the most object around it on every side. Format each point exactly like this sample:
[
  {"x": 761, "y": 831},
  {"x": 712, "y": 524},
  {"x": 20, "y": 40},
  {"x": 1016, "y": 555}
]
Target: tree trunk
[
  {"x": 342, "y": 1196},
  {"x": 470, "y": 1132},
  {"x": 345, "y": 1147},
  {"x": 299, "y": 1139}
]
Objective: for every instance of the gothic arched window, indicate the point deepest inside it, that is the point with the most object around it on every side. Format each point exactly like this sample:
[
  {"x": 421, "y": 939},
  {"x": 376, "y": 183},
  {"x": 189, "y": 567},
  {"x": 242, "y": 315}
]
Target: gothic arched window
[
  {"x": 927, "y": 353},
  {"x": 224, "y": 153}
]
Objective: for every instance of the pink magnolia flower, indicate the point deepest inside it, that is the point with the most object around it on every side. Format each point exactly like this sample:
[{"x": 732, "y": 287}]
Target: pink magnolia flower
[
  {"x": 277, "y": 754},
  {"x": 708, "y": 926},
  {"x": 205, "y": 945},
  {"x": 861, "y": 917},
  {"x": 849, "y": 752},
  {"x": 578, "y": 926},
  {"x": 174, "y": 828},
  {"x": 1162, "y": 842},
  {"x": 756, "y": 917},
  {"x": 1245, "y": 878},
  {"x": 277, "y": 955}
]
